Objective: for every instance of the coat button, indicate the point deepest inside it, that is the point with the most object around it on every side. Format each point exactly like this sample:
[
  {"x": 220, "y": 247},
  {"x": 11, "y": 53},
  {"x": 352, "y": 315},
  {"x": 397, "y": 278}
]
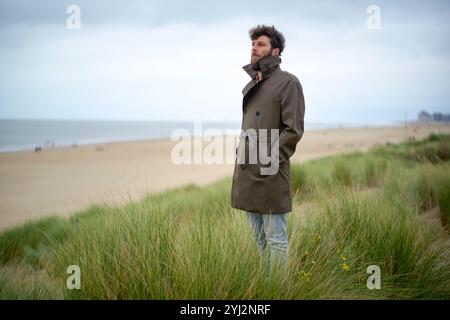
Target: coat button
[{"x": 257, "y": 113}]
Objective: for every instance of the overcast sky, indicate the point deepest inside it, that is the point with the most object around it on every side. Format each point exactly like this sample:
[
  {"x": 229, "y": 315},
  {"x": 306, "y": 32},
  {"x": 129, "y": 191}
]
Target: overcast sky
[{"x": 182, "y": 60}]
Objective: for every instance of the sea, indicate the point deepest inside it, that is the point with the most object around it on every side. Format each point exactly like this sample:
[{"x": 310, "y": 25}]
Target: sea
[{"x": 27, "y": 134}]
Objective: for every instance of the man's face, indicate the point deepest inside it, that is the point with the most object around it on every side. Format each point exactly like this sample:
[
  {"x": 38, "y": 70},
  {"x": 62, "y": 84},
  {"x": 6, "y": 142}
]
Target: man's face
[{"x": 261, "y": 48}]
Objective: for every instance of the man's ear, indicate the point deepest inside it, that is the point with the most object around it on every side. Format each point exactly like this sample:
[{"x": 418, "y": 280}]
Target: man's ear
[{"x": 275, "y": 52}]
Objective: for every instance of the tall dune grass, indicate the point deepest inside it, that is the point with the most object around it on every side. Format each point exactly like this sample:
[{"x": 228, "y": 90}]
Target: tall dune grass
[{"x": 350, "y": 212}]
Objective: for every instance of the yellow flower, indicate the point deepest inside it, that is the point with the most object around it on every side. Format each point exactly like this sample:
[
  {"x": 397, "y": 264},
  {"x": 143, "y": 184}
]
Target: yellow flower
[
  {"x": 345, "y": 267},
  {"x": 343, "y": 258},
  {"x": 306, "y": 275}
]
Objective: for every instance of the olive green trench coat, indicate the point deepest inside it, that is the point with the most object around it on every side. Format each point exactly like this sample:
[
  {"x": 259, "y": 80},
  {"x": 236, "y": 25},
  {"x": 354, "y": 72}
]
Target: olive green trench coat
[{"x": 274, "y": 102}]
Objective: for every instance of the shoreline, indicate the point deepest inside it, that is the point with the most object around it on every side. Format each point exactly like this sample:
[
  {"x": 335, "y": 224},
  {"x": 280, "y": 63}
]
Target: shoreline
[
  {"x": 62, "y": 181},
  {"x": 102, "y": 141}
]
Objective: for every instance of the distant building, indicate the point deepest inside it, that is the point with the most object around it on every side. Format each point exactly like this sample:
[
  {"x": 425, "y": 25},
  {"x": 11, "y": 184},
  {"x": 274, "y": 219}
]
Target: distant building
[
  {"x": 424, "y": 117},
  {"x": 441, "y": 117},
  {"x": 438, "y": 117}
]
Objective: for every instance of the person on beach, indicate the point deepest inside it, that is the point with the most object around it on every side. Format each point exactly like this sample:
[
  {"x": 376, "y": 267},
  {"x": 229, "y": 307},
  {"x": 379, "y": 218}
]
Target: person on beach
[{"x": 273, "y": 120}]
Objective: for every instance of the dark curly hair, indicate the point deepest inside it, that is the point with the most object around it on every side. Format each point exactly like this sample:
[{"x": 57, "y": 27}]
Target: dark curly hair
[{"x": 276, "y": 37}]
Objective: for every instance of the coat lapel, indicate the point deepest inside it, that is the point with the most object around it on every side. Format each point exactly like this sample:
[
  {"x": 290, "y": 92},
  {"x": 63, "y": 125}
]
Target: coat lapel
[
  {"x": 266, "y": 65},
  {"x": 248, "y": 87},
  {"x": 252, "y": 84}
]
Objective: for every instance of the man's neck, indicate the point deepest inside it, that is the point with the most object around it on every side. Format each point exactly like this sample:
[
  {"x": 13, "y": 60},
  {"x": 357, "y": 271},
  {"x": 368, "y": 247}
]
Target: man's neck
[{"x": 258, "y": 76}]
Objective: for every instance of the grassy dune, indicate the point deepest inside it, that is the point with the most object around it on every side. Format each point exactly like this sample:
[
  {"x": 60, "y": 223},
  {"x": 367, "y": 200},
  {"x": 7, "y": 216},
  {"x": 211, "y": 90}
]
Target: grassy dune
[{"x": 388, "y": 207}]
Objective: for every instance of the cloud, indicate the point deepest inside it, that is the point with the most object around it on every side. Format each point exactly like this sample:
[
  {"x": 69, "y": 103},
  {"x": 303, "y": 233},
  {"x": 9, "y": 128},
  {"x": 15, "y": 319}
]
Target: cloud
[{"x": 182, "y": 61}]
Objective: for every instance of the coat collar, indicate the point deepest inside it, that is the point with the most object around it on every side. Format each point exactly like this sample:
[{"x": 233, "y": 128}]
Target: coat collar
[{"x": 266, "y": 65}]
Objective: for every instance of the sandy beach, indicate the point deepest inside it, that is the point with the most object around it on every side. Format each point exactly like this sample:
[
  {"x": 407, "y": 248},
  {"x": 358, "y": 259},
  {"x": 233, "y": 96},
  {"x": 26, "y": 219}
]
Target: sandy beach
[{"x": 64, "y": 180}]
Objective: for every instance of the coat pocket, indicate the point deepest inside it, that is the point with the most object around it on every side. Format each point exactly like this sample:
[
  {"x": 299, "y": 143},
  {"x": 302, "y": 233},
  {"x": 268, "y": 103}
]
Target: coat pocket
[{"x": 254, "y": 153}]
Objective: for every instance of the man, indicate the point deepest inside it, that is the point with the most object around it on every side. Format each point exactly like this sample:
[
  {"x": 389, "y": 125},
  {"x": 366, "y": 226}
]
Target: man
[{"x": 272, "y": 100}]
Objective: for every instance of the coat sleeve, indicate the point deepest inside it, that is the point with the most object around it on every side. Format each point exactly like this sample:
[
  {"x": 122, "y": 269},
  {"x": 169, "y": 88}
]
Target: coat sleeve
[{"x": 292, "y": 117}]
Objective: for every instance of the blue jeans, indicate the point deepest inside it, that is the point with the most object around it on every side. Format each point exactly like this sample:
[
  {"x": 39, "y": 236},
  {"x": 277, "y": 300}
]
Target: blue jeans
[{"x": 269, "y": 230}]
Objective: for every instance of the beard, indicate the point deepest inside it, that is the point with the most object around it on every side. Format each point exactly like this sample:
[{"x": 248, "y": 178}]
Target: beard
[{"x": 258, "y": 59}]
